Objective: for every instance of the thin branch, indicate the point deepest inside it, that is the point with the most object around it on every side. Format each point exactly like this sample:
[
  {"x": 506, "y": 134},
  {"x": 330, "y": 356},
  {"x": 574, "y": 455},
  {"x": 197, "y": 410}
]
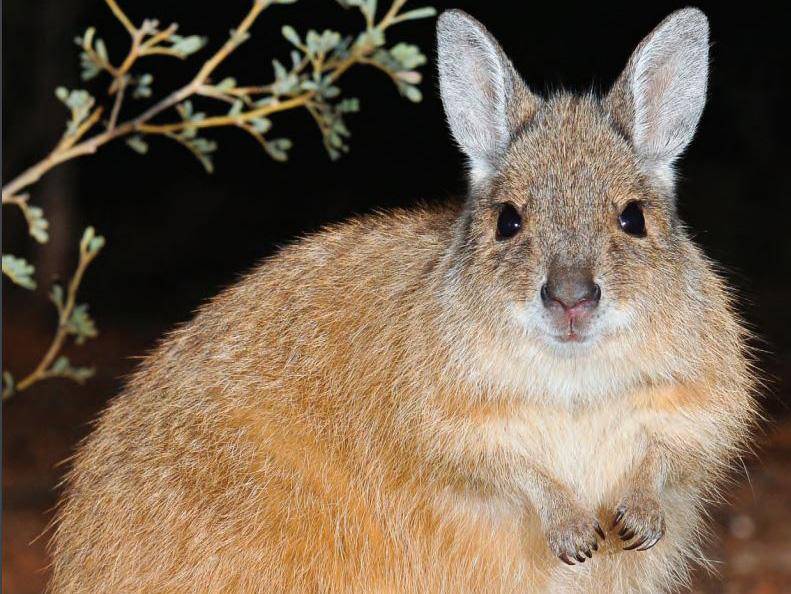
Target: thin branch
[
  {"x": 258, "y": 137},
  {"x": 157, "y": 38},
  {"x": 69, "y": 140},
  {"x": 121, "y": 16},
  {"x": 214, "y": 93},
  {"x": 41, "y": 370},
  {"x": 227, "y": 120},
  {"x": 389, "y": 17},
  {"x": 91, "y": 145},
  {"x": 230, "y": 45},
  {"x": 19, "y": 200},
  {"x": 140, "y": 123},
  {"x": 163, "y": 51},
  {"x": 119, "y": 99}
]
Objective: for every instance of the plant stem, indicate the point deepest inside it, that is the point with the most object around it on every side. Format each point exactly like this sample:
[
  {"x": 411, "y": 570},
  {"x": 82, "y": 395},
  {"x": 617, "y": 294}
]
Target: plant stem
[
  {"x": 91, "y": 145},
  {"x": 119, "y": 99},
  {"x": 121, "y": 16},
  {"x": 41, "y": 370},
  {"x": 226, "y": 120},
  {"x": 140, "y": 123}
]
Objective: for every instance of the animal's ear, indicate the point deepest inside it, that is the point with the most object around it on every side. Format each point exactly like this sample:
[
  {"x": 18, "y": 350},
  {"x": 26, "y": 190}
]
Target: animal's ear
[
  {"x": 659, "y": 98},
  {"x": 485, "y": 100}
]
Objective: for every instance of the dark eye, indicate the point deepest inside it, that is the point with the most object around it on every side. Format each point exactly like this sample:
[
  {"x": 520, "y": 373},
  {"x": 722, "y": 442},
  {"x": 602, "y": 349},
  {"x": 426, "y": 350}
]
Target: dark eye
[
  {"x": 509, "y": 222},
  {"x": 632, "y": 220}
]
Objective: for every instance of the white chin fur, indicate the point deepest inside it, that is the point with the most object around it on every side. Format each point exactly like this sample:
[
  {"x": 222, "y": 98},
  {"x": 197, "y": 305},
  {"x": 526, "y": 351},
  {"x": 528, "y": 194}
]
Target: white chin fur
[{"x": 532, "y": 361}]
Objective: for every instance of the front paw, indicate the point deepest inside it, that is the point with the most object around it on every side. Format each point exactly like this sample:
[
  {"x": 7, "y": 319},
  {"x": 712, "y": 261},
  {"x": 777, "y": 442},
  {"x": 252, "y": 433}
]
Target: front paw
[
  {"x": 573, "y": 535},
  {"x": 641, "y": 521}
]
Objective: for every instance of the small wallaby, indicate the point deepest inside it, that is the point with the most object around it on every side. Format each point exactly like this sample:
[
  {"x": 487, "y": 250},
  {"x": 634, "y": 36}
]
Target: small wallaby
[{"x": 537, "y": 390}]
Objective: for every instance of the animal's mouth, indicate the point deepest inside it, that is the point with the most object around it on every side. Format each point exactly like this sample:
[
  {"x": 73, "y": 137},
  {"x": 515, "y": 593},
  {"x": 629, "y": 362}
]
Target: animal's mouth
[
  {"x": 572, "y": 338},
  {"x": 572, "y": 332}
]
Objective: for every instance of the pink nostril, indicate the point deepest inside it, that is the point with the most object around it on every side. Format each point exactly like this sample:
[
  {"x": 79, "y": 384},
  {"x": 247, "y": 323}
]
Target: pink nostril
[{"x": 571, "y": 296}]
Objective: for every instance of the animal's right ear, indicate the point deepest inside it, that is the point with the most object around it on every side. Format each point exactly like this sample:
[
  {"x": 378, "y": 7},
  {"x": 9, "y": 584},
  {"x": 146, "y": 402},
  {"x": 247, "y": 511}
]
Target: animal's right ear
[
  {"x": 658, "y": 99},
  {"x": 485, "y": 100}
]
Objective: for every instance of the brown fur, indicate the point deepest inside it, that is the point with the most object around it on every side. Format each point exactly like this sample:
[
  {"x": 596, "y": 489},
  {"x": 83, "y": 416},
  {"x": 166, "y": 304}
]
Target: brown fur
[{"x": 362, "y": 413}]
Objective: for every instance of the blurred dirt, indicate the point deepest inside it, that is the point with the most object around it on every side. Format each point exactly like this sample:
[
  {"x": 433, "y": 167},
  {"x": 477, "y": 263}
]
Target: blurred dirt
[{"x": 752, "y": 548}]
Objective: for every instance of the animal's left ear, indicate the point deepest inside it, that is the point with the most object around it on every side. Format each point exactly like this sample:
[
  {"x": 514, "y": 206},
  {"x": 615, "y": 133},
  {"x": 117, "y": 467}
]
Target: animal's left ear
[{"x": 659, "y": 98}]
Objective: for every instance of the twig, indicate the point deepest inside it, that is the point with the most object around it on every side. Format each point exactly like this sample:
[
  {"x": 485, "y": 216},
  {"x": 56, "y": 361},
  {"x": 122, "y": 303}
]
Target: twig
[
  {"x": 41, "y": 370},
  {"x": 156, "y": 39},
  {"x": 69, "y": 139},
  {"x": 90, "y": 146},
  {"x": 119, "y": 14},
  {"x": 140, "y": 123},
  {"x": 119, "y": 99}
]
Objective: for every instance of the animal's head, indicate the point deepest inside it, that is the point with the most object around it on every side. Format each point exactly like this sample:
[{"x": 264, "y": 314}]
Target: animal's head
[{"x": 570, "y": 235}]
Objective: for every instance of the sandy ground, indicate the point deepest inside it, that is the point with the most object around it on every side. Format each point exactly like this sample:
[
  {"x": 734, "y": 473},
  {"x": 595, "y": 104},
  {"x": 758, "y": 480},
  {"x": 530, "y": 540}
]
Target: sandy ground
[{"x": 752, "y": 549}]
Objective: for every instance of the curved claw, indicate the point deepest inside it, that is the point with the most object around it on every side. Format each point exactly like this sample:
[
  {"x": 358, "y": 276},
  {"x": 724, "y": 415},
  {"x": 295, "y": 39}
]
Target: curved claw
[
  {"x": 588, "y": 553},
  {"x": 580, "y": 557},
  {"x": 599, "y": 531},
  {"x": 618, "y": 518},
  {"x": 651, "y": 543},
  {"x": 565, "y": 558},
  {"x": 638, "y": 543}
]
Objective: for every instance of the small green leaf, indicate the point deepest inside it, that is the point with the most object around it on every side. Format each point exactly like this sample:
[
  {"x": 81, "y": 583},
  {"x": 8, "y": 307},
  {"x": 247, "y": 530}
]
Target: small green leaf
[
  {"x": 201, "y": 148},
  {"x": 101, "y": 50},
  {"x": 407, "y": 55},
  {"x": 185, "y": 109},
  {"x": 296, "y": 58},
  {"x": 79, "y": 102},
  {"x": 187, "y": 45},
  {"x": 226, "y": 84},
  {"x": 141, "y": 92},
  {"x": 261, "y": 125},
  {"x": 87, "y": 235},
  {"x": 56, "y": 296},
  {"x": 418, "y": 13},
  {"x": 330, "y": 92},
  {"x": 19, "y": 271},
  {"x": 62, "y": 367},
  {"x": 90, "y": 68},
  {"x": 370, "y": 39},
  {"x": 291, "y": 35},
  {"x": 280, "y": 70},
  {"x": 236, "y": 108},
  {"x": 412, "y": 77},
  {"x": 412, "y": 93},
  {"x": 81, "y": 324},
  {"x": 137, "y": 144},
  {"x": 278, "y": 148},
  {"x": 36, "y": 223},
  {"x": 95, "y": 244},
  {"x": 90, "y": 242},
  {"x": 349, "y": 105}
]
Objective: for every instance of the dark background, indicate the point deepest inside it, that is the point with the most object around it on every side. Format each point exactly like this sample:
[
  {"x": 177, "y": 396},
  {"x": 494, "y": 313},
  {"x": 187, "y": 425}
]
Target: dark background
[{"x": 176, "y": 235}]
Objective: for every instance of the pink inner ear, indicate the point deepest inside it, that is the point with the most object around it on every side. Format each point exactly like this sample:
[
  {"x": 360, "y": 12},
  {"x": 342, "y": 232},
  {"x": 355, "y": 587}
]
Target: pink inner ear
[{"x": 655, "y": 110}]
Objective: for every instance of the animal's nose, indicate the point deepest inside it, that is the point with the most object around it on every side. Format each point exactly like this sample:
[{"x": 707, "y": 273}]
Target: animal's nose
[{"x": 571, "y": 289}]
